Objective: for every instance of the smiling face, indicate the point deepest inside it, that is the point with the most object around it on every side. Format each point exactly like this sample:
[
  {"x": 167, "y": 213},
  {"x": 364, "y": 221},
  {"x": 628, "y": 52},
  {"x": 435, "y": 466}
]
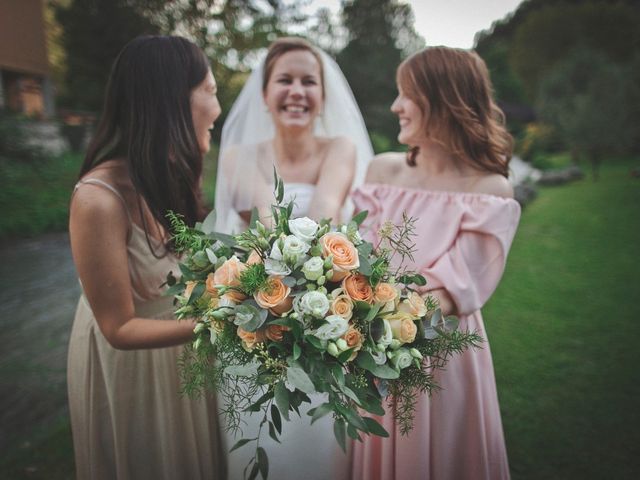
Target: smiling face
[
  {"x": 412, "y": 119},
  {"x": 293, "y": 92},
  {"x": 205, "y": 109}
]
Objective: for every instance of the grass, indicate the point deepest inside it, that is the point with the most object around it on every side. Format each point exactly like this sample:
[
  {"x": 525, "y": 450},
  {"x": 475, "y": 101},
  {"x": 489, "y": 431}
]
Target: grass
[
  {"x": 34, "y": 197},
  {"x": 564, "y": 332},
  {"x": 564, "y": 327}
]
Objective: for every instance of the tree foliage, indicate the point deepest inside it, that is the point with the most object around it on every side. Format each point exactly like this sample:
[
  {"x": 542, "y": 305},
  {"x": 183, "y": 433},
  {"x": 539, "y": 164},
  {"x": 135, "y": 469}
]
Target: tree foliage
[
  {"x": 586, "y": 98},
  {"x": 94, "y": 31},
  {"x": 380, "y": 34}
]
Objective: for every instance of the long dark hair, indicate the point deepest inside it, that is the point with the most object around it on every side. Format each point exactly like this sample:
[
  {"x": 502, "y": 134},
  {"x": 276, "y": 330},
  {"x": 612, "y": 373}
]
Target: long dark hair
[
  {"x": 146, "y": 120},
  {"x": 453, "y": 85}
]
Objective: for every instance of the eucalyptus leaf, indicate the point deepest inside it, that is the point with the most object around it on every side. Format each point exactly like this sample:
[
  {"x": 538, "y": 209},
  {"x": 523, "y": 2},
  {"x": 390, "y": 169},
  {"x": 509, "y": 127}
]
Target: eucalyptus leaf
[
  {"x": 196, "y": 293},
  {"x": 272, "y": 432},
  {"x": 375, "y": 428},
  {"x": 289, "y": 281},
  {"x": 319, "y": 412},
  {"x": 209, "y": 223},
  {"x": 340, "y": 433},
  {"x": 353, "y": 433},
  {"x": 254, "y": 217},
  {"x": 360, "y": 217},
  {"x": 281, "y": 395},
  {"x": 263, "y": 462},
  {"x": 365, "y": 266},
  {"x": 299, "y": 379},
  {"x": 338, "y": 374},
  {"x": 372, "y": 312},
  {"x": 241, "y": 443},
  {"x": 296, "y": 351},
  {"x": 365, "y": 249},
  {"x": 254, "y": 472},
  {"x": 366, "y": 361},
  {"x": 275, "y": 418},
  {"x": 211, "y": 256},
  {"x": 246, "y": 370}
]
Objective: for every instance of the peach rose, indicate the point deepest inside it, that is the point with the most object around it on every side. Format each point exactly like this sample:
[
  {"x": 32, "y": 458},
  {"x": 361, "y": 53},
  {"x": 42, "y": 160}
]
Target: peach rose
[
  {"x": 413, "y": 305},
  {"x": 188, "y": 288},
  {"x": 345, "y": 255},
  {"x": 384, "y": 293},
  {"x": 250, "y": 339},
  {"x": 254, "y": 258},
  {"x": 358, "y": 288},
  {"x": 341, "y": 305},
  {"x": 354, "y": 340},
  {"x": 403, "y": 327},
  {"x": 211, "y": 286},
  {"x": 275, "y": 296},
  {"x": 275, "y": 332},
  {"x": 229, "y": 275}
]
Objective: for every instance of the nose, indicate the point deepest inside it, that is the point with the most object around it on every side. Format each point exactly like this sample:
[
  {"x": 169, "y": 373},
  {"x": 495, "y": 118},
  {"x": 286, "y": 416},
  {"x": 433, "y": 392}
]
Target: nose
[
  {"x": 296, "y": 89},
  {"x": 395, "y": 106}
]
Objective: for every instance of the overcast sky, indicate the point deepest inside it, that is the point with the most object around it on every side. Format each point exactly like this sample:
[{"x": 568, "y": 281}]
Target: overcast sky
[{"x": 448, "y": 22}]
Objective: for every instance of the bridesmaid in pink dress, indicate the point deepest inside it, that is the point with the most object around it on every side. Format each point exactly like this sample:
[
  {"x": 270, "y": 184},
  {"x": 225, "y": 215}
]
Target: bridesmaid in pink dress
[{"x": 454, "y": 183}]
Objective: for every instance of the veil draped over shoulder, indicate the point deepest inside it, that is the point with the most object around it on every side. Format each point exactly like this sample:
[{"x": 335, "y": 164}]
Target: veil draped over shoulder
[{"x": 249, "y": 123}]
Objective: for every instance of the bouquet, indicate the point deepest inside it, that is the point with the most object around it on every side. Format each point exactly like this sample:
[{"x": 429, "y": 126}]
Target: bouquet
[{"x": 301, "y": 308}]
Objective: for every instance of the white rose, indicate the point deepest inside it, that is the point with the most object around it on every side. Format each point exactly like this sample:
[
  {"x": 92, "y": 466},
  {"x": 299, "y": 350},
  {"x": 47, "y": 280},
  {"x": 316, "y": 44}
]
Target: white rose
[
  {"x": 313, "y": 268},
  {"x": 304, "y": 228},
  {"x": 333, "y": 328},
  {"x": 276, "y": 253},
  {"x": 294, "y": 250},
  {"x": 402, "y": 358},
  {"x": 276, "y": 267},
  {"x": 314, "y": 303},
  {"x": 387, "y": 335}
]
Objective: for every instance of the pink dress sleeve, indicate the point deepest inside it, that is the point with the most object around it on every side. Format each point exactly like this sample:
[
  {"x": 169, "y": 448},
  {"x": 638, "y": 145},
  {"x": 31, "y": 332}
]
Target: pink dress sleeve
[{"x": 472, "y": 267}]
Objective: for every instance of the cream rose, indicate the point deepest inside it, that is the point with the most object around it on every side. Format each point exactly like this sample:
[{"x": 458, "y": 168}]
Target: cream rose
[
  {"x": 358, "y": 288},
  {"x": 413, "y": 305},
  {"x": 343, "y": 252},
  {"x": 275, "y": 296},
  {"x": 304, "y": 228},
  {"x": 403, "y": 327},
  {"x": 341, "y": 305}
]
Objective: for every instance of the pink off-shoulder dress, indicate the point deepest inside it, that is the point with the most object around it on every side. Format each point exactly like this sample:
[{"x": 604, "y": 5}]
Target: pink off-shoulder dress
[{"x": 462, "y": 241}]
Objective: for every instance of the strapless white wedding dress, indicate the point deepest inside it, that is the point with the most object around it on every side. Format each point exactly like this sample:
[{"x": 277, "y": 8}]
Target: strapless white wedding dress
[{"x": 306, "y": 451}]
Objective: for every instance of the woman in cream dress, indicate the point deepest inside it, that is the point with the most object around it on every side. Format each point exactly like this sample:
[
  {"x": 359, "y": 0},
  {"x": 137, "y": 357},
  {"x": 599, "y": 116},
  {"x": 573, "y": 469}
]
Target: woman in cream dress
[{"x": 129, "y": 420}]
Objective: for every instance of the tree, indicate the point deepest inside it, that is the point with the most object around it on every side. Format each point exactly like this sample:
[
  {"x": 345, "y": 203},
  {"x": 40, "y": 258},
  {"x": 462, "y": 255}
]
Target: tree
[
  {"x": 94, "y": 32},
  {"x": 381, "y": 34},
  {"x": 586, "y": 98}
]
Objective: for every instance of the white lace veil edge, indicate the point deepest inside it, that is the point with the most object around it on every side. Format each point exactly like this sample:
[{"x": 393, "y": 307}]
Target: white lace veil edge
[{"x": 250, "y": 123}]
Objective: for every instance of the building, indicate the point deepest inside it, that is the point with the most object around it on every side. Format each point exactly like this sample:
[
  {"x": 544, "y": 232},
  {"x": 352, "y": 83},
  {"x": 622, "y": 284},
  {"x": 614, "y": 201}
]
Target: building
[{"x": 25, "y": 86}]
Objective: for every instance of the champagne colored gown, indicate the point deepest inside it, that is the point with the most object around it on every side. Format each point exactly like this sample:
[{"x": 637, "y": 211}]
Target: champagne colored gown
[
  {"x": 462, "y": 241},
  {"x": 128, "y": 418}
]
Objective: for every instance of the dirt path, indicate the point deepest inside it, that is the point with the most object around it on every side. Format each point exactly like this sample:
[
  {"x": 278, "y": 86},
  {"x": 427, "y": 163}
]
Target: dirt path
[{"x": 38, "y": 295}]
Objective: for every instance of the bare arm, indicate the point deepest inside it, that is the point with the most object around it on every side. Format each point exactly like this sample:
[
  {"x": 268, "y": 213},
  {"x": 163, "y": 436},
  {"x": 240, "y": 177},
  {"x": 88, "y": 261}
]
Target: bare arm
[
  {"x": 98, "y": 228},
  {"x": 335, "y": 181}
]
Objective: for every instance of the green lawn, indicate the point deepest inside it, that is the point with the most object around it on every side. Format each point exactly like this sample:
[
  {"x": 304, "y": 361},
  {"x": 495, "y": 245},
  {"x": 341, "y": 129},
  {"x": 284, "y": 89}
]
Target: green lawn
[{"x": 564, "y": 330}]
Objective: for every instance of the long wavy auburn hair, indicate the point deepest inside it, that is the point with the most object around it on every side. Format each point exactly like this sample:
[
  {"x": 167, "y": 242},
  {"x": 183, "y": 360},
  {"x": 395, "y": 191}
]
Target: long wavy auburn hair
[{"x": 452, "y": 86}]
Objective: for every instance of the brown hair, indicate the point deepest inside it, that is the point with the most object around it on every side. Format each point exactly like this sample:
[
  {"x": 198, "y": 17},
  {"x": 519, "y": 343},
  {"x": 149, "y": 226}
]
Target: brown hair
[
  {"x": 453, "y": 85},
  {"x": 147, "y": 120},
  {"x": 285, "y": 45}
]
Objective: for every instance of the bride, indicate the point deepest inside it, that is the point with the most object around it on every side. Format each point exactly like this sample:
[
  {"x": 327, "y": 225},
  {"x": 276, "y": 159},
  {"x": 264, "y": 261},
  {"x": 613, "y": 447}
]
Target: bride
[{"x": 295, "y": 113}]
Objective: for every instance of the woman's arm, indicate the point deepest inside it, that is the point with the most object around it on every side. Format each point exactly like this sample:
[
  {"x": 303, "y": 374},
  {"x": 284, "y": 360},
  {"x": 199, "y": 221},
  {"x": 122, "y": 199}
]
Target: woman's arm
[
  {"x": 334, "y": 183},
  {"x": 98, "y": 228}
]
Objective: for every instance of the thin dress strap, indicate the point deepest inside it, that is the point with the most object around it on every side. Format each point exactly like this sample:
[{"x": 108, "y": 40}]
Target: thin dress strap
[{"x": 96, "y": 181}]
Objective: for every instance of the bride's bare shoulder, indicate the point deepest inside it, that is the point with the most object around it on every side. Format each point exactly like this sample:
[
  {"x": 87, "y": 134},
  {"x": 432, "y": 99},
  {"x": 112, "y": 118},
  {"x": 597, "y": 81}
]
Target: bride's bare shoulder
[{"x": 385, "y": 167}]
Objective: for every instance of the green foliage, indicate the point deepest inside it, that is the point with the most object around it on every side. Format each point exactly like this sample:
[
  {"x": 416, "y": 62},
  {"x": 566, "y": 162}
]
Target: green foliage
[
  {"x": 35, "y": 196},
  {"x": 94, "y": 32},
  {"x": 381, "y": 34},
  {"x": 586, "y": 98}
]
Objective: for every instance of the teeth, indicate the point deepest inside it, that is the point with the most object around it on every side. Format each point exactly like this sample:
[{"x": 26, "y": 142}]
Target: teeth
[{"x": 295, "y": 109}]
